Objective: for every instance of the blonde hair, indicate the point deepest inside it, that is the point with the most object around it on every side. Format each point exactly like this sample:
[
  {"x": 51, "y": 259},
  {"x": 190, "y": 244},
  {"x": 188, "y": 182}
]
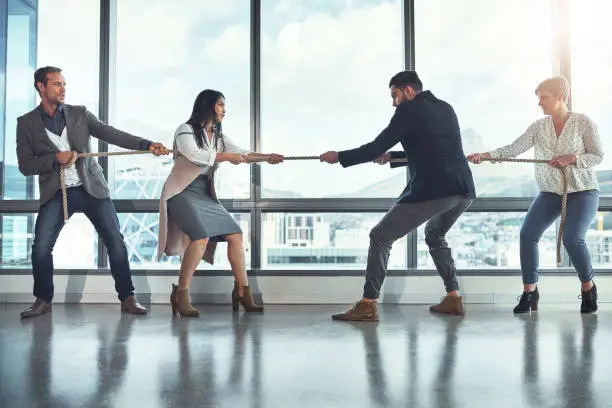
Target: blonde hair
[{"x": 557, "y": 85}]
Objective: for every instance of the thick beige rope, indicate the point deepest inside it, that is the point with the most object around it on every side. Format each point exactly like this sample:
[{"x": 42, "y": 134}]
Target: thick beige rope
[{"x": 250, "y": 159}]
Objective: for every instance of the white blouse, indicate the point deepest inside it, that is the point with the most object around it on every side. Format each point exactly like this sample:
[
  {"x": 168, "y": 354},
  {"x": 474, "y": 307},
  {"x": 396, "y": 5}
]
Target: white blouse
[
  {"x": 204, "y": 157},
  {"x": 578, "y": 137}
]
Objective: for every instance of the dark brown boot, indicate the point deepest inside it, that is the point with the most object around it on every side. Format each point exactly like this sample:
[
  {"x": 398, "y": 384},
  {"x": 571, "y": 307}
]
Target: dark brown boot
[
  {"x": 246, "y": 299},
  {"x": 40, "y": 307},
  {"x": 449, "y": 305},
  {"x": 130, "y": 305},
  {"x": 360, "y": 312}
]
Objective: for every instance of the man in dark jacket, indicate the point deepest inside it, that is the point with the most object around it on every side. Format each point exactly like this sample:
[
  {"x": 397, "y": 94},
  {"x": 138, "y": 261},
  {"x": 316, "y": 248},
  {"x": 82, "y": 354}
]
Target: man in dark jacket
[{"x": 441, "y": 188}]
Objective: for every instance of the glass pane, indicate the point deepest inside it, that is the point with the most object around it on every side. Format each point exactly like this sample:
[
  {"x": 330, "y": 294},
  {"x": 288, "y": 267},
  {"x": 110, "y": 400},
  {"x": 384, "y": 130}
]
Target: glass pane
[
  {"x": 324, "y": 86},
  {"x": 20, "y": 93},
  {"x": 591, "y": 82},
  {"x": 80, "y": 62},
  {"x": 599, "y": 240},
  {"x": 488, "y": 240},
  {"x": 140, "y": 232},
  {"x": 481, "y": 60},
  {"x": 32, "y": 43},
  {"x": 158, "y": 74},
  {"x": 3, "y": 44},
  {"x": 76, "y": 246},
  {"x": 321, "y": 241}
]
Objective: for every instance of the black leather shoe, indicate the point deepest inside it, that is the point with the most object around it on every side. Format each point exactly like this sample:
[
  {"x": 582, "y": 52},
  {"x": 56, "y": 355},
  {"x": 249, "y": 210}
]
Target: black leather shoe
[
  {"x": 40, "y": 307},
  {"x": 589, "y": 300},
  {"x": 528, "y": 302}
]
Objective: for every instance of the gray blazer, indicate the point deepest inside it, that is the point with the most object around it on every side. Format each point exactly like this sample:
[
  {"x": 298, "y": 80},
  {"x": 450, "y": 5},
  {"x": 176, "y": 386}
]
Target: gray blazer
[{"x": 36, "y": 152}]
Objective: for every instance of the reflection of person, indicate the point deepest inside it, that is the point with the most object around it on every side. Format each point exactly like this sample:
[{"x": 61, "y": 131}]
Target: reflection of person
[
  {"x": 192, "y": 220},
  {"x": 570, "y": 141},
  {"x": 49, "y": 137},
  {"x": 440, "y": 190}
]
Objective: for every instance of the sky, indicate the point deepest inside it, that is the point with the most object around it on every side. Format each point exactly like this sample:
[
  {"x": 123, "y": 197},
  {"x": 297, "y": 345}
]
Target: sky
[{"x": 325, "y": 70}]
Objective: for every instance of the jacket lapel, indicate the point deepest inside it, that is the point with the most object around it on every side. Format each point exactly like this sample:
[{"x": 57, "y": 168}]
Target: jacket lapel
[
  {"x": 69, "y": 125},
  {"x": 40, "y": 131}
]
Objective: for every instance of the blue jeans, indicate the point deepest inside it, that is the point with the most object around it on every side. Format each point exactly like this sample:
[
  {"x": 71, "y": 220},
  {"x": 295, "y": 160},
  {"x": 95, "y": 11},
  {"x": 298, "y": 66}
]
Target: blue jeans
[
  {"x": 50, "y": 221},
  {"x": 545, "y": 209}
]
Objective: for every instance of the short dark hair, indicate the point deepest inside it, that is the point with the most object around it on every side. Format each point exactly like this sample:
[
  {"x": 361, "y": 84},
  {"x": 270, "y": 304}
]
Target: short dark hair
[
  {"x": 41, "y": 75},
  {"x": 406, "y": 78}
]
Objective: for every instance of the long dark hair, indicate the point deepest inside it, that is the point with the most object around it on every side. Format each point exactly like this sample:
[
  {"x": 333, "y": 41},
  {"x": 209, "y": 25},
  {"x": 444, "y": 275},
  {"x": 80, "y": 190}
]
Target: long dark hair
[{"x": 204, "y": 112}]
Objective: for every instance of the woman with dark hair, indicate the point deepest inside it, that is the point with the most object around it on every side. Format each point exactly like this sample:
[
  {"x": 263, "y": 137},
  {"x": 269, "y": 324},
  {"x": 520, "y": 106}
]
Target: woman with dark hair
[{"x": 192, "y": 220}]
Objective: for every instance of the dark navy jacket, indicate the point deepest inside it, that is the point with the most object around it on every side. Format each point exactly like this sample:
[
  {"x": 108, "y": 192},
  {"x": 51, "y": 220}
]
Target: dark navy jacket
[{"x": 428, "y": 130}]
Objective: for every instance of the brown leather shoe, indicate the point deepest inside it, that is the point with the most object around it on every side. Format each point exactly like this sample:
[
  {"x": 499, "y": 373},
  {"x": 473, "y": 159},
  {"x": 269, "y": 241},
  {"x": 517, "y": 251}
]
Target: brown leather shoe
[
  {"x": 360, "y": 312},
  {"x": 40, "y": 307},
  {"x": 130, "y": 305},
  {"x": 449, "y": 305}
]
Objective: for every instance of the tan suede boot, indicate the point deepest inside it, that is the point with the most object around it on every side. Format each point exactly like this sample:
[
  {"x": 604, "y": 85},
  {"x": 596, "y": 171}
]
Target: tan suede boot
[
  {"x": 449, "y": 305},
  {"x": 179, "y": 299},
  {"x": 360, "y": 312},
  {"x": 246, "y": 300}
]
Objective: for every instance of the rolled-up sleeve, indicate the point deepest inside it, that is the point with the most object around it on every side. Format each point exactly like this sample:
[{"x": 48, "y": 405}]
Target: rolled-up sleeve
[{"x": 593, "y": 154}]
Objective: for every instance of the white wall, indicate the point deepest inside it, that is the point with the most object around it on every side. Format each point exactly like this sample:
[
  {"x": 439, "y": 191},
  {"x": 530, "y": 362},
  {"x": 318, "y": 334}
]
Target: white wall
[{"x": 304, "y": 290}]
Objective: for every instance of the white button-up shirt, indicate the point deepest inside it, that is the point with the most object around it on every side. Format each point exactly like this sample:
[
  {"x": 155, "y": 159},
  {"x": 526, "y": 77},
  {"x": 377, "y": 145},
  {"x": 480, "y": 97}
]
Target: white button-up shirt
[
  {"x": 204, "y": 157},
  {"x": 579, "y": 137},
  {"x": 71, "y": 175}
]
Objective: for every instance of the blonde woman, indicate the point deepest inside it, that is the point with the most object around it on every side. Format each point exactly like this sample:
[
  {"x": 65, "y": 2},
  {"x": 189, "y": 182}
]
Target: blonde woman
[
  {"x": 192, "y": 220},
  {"x": 567, "y": 139}
]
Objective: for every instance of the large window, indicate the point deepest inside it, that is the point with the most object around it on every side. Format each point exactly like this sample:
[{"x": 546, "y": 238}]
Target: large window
[
  {"x": 325, "y": 71},
  {"x": 301, "y": 78},
  {"x": 322, "y": 241},
  {"x": 166, "y": 54},
  {"x": 486, "y": 58},
  {"x": 591, "y": 80}
]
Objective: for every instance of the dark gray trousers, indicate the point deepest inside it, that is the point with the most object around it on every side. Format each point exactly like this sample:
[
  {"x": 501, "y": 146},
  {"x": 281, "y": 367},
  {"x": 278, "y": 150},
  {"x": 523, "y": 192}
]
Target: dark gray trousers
[{"x": 440, "y": 214}]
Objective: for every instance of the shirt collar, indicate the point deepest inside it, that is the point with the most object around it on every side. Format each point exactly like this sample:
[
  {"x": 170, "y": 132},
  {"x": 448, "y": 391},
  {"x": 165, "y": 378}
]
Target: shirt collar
[{"x": 60, "y": 110}]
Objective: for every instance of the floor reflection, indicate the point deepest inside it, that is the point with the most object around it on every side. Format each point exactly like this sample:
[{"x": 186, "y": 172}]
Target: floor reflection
[
  {"x": 577, "y": 364},
  {"x": 113, "y": 362},
  {"x": 291, "y": 356},
  {"x": 444, "y": 385}
]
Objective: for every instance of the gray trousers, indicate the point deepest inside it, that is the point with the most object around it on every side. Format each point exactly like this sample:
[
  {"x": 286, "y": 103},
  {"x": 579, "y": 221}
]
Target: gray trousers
[{"x": 402, "y": 218}]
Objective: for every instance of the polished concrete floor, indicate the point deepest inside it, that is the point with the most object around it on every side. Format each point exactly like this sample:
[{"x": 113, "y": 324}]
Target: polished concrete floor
[{"x": 295, "y": 356}]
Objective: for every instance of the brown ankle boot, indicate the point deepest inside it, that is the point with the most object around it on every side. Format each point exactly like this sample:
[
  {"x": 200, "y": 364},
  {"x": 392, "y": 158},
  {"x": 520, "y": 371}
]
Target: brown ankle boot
[
  {"x": 449, "y": 305},
  {"x": 179, "y": 299},
  {"x": 360, "y": 312},
  {"x": 246, "y": 299}
]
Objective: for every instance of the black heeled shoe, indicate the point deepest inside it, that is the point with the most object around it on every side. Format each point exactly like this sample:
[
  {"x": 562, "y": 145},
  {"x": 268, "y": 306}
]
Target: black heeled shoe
[
  {"x": 589, "y": 300},
  {"x": 528, "y": 302}
]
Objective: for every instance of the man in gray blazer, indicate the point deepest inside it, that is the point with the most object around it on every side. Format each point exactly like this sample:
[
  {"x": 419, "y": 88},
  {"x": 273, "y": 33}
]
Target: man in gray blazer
[{"x": 48, "y": 138}]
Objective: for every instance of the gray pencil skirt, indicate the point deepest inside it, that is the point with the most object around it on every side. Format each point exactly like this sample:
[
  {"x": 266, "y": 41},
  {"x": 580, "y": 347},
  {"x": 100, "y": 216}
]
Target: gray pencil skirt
[{"x": 199, "y": 215}]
